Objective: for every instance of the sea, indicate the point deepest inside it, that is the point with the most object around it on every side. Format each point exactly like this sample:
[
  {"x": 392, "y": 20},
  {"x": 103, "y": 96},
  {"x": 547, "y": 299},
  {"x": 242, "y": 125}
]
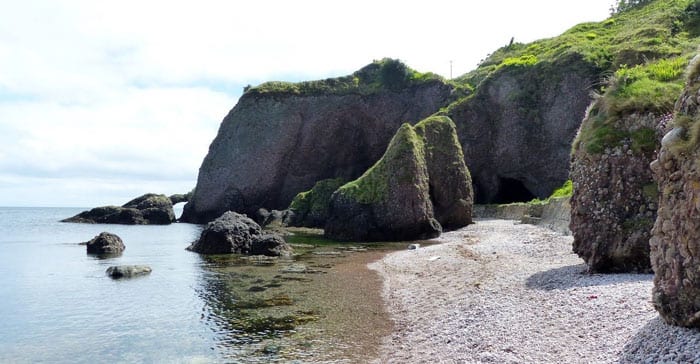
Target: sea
[{"x": 57, "y": 305}]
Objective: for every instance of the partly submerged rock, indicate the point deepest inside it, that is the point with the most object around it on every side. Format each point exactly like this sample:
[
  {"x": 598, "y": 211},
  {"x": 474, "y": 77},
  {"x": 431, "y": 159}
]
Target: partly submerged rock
[
  {"x": 105, "y": 244},
  {"x": 675, "y": 242},
  {"x": 237, "y": 233},
  {"x": 147, "y": 209},
  {"x": 128, "y": 271},
  {"x": 392, "y": 200}
]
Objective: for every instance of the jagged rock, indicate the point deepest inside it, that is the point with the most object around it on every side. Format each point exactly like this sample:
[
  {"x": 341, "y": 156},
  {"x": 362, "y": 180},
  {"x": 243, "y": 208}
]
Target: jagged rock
[
  {"x": 280, "y": 139},
  {"x": 237, "y": 233},
  {"x": 128, "y": 271},
  {"x": 392, "y": 200},
  {"x": 450, "y": 183},
  {"x": 105, "y": 243},
  {"x": 147, "y": 209},
  {"x": 613, "y": 206},
  {"x": 274, "y": 219},
  {"x": 310, "y": 208},
  {"x": 179, "y": 198},
  {"x": 675, "y": 242},
  {"x": 271, "y": 245},
  {"x": 516, "y": 130}
]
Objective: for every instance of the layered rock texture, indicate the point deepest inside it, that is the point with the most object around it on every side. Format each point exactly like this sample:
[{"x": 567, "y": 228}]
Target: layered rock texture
[
  {"x": 147, "y": 209},
  {"x": 420, "y": 182},
  {"x": 614, "y": 203},
  {"x": 516, "y": 130},
  {"x": 675, "y": 244},
  {"x": 280, "y": 139},
  {"x": 105, "y": 244},
  {"x": 239, "y": 234},
  {"x": 310, "y": 208}
]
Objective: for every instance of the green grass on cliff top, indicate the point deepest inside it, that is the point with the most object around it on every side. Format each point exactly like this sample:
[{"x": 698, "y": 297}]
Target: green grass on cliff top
[
  {"x": 656, "y": 30},
  {"x": 385, "y": 74}
]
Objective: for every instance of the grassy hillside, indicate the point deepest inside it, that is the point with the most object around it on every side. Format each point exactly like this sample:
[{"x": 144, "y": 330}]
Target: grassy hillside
[{"x": 657, "y": 30}]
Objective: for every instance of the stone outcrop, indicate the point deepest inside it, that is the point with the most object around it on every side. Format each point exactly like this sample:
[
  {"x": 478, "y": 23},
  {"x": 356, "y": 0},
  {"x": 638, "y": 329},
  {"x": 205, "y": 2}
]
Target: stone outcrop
[
  {"x": 105, "y": 244},
  {"x": 239, "y": 234},
  {"x": 280, "y": 139},
  {"x": 675, "y": 242},
  {"x": 180, "y": 197},
  {"x": 516, "y": 130},
  {"x": 393, "y": 200},
  {"x": 310, "y": 208},
  {"x": 128, "y": 271},
  {"x": 144, "y": 210},
  {"x": 614, "y": 203}
]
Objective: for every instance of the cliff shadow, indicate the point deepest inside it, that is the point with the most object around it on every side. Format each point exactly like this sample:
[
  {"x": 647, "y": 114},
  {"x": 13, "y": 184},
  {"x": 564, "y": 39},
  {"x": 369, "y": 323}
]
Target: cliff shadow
[
  {"x": 574, "y": 276},
  {"x": 658, "y": 342}
]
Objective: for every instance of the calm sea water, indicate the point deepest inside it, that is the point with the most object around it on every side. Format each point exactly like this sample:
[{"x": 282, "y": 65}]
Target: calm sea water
[{"x": 57, "y": 304}]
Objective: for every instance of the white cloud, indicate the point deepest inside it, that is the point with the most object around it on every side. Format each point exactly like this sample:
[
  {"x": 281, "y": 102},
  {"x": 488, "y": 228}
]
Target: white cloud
[{"x": 134, "y": 91}]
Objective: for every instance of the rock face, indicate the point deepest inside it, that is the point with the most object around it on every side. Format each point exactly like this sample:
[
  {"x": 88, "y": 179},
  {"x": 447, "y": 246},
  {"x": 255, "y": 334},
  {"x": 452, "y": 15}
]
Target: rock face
[
  {"x": 236, "y": 233},
  {"x": 613, "y": 206},
  {"x": 310, "y": 208},
  {"x": 147, "y": 209},
  {"x": 105, "y": 243},
  {"x": 393, "y": 200},
  {"x": 516, "y": 130},
  {"x": 675, "y": 242},
  {"x": 280, "y": 139},
  {"x": 127, "y": 271},
  {"x": 180, "y": 197}
]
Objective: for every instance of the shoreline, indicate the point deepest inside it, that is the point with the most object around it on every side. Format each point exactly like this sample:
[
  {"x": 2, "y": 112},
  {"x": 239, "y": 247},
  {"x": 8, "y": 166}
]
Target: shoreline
[{"x": 499, "y": 291}]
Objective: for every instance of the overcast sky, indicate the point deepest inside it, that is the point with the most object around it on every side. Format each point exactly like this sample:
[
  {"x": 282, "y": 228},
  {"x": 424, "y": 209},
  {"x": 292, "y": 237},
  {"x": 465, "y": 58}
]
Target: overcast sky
[{"x": 102, "y": 101}]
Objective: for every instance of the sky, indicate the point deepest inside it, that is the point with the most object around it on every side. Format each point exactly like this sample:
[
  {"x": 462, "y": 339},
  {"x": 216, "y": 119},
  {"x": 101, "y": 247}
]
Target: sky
[{"x": 103, "y": 101}]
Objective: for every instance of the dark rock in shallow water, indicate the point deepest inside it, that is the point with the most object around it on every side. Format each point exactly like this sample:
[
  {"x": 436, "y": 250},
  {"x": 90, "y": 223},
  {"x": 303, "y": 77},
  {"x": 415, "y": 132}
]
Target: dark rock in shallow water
[
  {"x": 237, "y": 233},
  {"x": 128, "y": 271},
  {"x": 393, "y": 200},
  {"x": 105, "y": 243},
  {"x": 144, "y": 210},
  {"x": 271, "y": 245}
]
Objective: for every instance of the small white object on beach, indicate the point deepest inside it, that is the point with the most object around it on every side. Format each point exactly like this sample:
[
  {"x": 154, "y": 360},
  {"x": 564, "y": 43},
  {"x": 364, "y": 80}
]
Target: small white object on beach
[
  {"x": 432, "y": 259},
  {"x": 413, "y": 246}
]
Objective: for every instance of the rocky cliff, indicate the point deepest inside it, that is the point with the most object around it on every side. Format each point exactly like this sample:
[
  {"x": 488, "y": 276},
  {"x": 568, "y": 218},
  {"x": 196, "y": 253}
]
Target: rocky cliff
[
  {"x": 675, "y": 242},
  {"x": 420, "y": 182},
  {"x": 280, "y": 139},
  {"x": 516, "y": 130}
]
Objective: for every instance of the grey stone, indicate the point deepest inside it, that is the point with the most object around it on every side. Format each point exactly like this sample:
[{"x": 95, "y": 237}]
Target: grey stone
[{"x": 128, "y": 271}]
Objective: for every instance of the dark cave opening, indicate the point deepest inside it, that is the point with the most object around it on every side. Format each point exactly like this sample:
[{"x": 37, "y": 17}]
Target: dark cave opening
[{"x": 512, "y": 190}]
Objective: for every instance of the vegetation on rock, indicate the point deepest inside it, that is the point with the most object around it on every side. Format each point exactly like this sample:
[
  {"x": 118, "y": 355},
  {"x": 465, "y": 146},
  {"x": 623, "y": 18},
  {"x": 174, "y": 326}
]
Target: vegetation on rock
[
  {"x": 311, "y": 207},
  {"x": 380, "y": 75},
  {"x": 419, "y": 183}
]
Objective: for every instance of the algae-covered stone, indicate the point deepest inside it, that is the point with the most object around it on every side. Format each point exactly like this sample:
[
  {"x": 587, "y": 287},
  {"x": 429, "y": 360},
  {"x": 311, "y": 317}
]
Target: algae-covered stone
[
  {"x": 393, "y": 199},
  {"x": 675, "y": 242},
  {"x": 311, "y": 207},
  {"x": 147, "y": 209},
  {"x": 450, "y": 183}
]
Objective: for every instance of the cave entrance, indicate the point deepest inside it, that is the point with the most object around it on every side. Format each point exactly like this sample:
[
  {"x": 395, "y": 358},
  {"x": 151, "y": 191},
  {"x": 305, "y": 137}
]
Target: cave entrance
[{"x": 512, "y": 190}]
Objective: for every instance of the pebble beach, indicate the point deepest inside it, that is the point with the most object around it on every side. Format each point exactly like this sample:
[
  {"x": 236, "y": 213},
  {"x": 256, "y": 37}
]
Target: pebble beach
[{"x": 499, "y": 291}]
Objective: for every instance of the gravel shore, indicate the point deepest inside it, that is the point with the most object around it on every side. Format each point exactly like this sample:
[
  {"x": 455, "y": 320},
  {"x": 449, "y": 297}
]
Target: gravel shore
[{"x": 503, "y": 292}]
